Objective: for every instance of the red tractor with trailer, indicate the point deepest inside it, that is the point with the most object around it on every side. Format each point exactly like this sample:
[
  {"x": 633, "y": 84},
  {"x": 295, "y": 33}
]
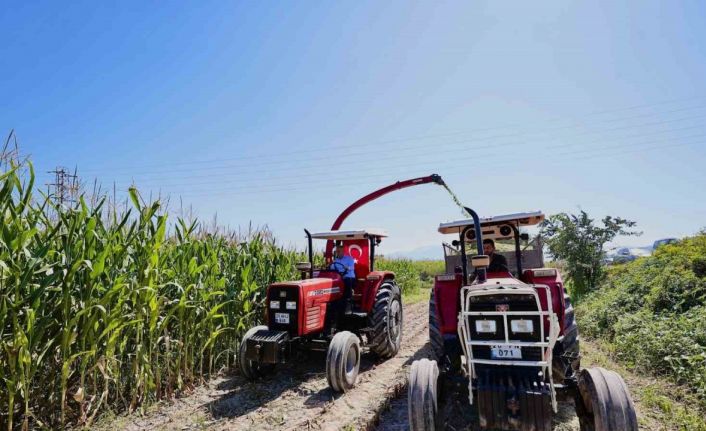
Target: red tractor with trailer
[
  {"x": 511, "y": 337},
  {"x": 306, "y": 314}
]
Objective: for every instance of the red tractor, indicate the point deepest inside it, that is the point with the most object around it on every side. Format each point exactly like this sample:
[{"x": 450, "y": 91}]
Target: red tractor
[
  {"x": 307, "y": 314},
  {"x": 511, "y": 336}
]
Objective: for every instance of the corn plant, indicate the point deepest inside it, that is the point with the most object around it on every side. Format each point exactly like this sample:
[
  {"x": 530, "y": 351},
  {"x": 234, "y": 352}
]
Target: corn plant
[{"x": 103, "y": 309}]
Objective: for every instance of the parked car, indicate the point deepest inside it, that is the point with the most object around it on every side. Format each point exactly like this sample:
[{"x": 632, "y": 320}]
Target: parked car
[
  {"x": 661, "y": 242},
  {"x": 622, "y": 255}
]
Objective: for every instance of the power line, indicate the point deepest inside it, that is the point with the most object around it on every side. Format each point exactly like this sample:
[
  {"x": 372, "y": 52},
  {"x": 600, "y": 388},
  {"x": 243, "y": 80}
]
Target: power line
[
  {"x": 504, "y": 164},
  {"x": 220, "y": 178},
  {"x": 329, "y": 147}
]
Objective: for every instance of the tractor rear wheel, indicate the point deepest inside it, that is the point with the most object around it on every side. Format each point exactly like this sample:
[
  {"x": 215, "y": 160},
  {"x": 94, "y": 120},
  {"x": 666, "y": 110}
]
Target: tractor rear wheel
[
  {"x": 435, "y": 337},
  {"x": 450, "y": 361},
  {"x": 422, "y": 395},
  {"x": 604, "y": 402},
  {"x": 386, "y": 321},
  {"x": 251, "y": 369},
  {"x": 343, "y": 361}
]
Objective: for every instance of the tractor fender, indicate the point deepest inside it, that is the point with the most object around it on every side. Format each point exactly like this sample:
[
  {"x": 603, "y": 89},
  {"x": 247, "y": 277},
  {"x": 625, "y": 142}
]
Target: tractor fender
[
  {"x": 370, "y": 288},
  {"x": 447, "y": 290}
]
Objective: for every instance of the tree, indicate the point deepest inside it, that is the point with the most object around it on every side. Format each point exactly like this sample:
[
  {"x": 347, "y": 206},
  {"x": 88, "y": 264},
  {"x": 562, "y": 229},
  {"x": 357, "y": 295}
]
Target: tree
[{"x": 578, "y": 241}]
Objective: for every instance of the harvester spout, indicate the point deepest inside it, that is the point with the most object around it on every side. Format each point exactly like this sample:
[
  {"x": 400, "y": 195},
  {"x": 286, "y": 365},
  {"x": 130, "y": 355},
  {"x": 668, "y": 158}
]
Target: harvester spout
[
  {"x": 399, "y": 185},
  {"x": 437, "y": 179}
]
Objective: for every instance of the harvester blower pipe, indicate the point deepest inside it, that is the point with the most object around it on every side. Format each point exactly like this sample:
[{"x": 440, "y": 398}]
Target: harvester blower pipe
[{"x": 399, "y": 185}]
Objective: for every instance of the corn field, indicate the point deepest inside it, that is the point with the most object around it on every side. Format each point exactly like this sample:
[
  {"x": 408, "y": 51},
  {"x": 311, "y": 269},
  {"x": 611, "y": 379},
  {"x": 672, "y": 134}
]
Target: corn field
[{"x": 105, "y": 310}]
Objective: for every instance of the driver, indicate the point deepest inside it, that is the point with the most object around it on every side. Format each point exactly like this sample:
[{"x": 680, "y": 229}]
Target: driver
[
  {"x": 345, "y": 265},
  {"x": 498, "y": 263}
]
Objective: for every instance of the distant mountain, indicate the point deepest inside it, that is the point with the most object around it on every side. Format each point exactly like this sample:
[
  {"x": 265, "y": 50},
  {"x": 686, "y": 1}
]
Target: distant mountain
[{"x": 429, "y": 252}]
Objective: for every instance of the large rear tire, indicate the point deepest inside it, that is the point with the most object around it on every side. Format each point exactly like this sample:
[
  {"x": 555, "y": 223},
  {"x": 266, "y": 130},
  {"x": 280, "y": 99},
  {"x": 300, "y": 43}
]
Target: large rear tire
[
  {"x": 251, "y": 369},
  {"x": 343, "y": 361},
  {"x": 604, "y": 402},
  {"x": 450, "y": 361},
  {"x": 386, "y": 321},
  {"x": 435, "y": 337},
  {"x": 567, "y": 358},
  {"x": 422, "y": 395}
]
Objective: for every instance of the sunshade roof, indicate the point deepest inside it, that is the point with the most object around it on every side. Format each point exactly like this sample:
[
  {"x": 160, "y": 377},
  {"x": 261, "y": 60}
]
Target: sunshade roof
[
  {"x": 517, "y": 219},
  {"x": 350, "y": 234}
]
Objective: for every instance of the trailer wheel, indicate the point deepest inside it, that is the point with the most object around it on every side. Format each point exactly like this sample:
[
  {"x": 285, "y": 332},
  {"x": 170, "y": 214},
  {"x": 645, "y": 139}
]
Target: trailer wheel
[
  {"x": 251, "y": 369},
  {"x": 343, "y": 361},
  {"x": 604, "y": 402},
  {"x": 422, "y": 396},
  {"x": 386, "y": 321}
]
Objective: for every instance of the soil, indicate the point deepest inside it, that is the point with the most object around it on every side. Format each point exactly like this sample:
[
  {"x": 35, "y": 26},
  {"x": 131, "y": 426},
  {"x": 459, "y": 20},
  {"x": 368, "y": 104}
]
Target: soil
[{"x": 297, "y": 396}]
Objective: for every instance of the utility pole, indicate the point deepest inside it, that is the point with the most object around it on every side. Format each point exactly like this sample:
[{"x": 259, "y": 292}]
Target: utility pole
[{"x": 65, "y": 186}]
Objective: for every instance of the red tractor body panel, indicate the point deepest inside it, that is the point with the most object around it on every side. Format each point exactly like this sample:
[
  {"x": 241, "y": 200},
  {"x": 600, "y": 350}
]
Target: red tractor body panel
[
  {"x": 315, "y": 294},
  {"x": 368, "y": 288},
  {"x": 558, "y": 293},
  {"x": 447, "y": 291}
]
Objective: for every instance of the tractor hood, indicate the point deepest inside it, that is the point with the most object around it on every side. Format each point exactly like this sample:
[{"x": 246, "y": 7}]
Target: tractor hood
[{"x": 314, "y": 289}]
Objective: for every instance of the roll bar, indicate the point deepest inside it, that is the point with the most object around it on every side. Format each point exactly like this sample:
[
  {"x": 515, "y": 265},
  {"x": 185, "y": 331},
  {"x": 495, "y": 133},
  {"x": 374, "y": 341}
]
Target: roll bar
[
  {"x": 480, "y": 272},
  {"x": 311, "y": 253}
]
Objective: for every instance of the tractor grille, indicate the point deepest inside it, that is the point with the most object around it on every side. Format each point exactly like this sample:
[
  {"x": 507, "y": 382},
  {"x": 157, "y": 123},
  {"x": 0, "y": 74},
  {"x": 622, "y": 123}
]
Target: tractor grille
[
  {"x": 312, "y": 317},
  {"x": 505, "y": 302},
  {"x": 284, "y": 294}
]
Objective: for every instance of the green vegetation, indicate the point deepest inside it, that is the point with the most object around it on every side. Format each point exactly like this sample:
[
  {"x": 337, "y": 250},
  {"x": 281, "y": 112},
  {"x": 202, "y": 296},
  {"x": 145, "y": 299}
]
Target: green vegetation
[
  {"x": 102, "y": 311},
  {"x": 99, "y": 309},
  {"x": 578, "y": 242},
  {"x": 413, "y": 276},
  {"x": 661, "y": 405},
  {"x": 652, "y": 314}
]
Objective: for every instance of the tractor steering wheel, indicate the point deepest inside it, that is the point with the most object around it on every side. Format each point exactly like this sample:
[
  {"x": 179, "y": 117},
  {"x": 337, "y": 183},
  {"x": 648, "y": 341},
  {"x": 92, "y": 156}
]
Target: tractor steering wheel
[{"x": 339, "y": 268}]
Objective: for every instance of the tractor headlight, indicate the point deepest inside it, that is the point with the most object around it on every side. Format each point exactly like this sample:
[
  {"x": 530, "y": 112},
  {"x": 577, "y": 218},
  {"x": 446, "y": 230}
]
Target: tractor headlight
[
  {"x": 274, "y": 305},
  {"x": 291, "y": 305},
  {"x": 486, "y": 326},
  {"x": 522, "y": 326}
]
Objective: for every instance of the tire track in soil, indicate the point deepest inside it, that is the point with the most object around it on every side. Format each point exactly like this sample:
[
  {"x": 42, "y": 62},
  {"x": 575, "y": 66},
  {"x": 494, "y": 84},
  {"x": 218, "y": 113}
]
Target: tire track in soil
[
  {"x": 296, "y": 396},
  {"x": 457, "y": 415}
]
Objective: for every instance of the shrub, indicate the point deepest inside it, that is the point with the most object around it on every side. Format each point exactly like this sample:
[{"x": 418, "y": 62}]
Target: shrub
[
  {"x": 412, "y": 275},
  {"x": 653, "y": 312}
]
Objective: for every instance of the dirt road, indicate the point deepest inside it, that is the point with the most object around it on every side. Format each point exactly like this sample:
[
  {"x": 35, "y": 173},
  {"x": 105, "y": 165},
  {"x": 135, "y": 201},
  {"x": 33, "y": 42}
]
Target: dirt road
[{"x": 297, "y": 397}]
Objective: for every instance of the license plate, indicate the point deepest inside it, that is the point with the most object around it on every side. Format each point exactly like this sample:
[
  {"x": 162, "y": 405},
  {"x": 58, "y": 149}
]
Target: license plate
[
  {"x": 505, "y": 352},
  {"x": 281, "y": 317}
]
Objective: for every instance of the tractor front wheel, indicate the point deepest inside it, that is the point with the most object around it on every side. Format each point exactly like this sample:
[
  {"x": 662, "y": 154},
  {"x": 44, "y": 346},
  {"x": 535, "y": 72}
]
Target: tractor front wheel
[
  {"x": 386, "y": 321},
  {"x": 604, "y": 402},
  {"x": 251, "y": 369},
  {"x": 422, "y": 395},
  {"x": 343, "y": 361}
]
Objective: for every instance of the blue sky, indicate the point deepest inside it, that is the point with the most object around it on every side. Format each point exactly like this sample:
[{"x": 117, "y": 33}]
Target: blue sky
[{"x": 284, "y": 113}]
